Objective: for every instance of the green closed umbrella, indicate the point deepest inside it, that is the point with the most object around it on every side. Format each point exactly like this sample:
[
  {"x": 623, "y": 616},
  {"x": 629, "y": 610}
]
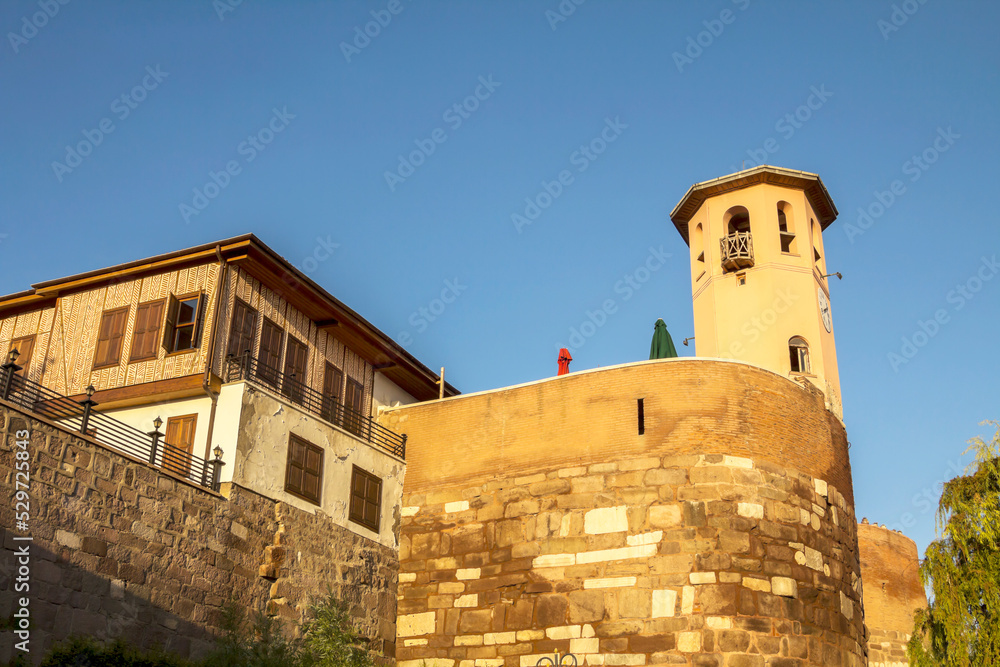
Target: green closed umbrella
[{"x": 663, "y": 344}]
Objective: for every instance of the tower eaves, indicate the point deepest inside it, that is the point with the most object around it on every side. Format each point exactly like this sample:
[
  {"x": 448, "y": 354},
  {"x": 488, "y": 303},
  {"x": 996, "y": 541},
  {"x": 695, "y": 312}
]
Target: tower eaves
[{"x": 696, "y": 195}]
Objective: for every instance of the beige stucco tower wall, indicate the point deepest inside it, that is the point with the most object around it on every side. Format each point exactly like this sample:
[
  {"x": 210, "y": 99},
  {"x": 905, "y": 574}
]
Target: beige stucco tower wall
[{"x": 751, "y": 301}]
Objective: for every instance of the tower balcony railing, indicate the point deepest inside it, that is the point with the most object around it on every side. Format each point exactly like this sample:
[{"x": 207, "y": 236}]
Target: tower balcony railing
[
  {"x": 329, "y": 408},
  {"x": 737, "y": 251}
]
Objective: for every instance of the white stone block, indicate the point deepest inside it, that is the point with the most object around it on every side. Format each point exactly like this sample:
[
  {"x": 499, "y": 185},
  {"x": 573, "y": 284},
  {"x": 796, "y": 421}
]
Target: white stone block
[
  {"x": 493, "y": 638},
  {"x": 664, "y": 603},
  {"x": 467, "y": 573},
  {"x": 582, "y": 646},
  {"x": 471, "y": 600},
  {"x": 405, "y": 577},
  {"x": 687, "y": 600},
  {"x": 784, "y": 586},
  {"x": 605, "y": 520},
  {"x": 737, "y": 462},
  {"x": 409, "y": 511},
  {"x": 644, "y": 538},
  {"x": 702, "y": 577},
  {"x": 609, "y": 582},
  {"x": 622, "y": 553},
  {"x": 718, "y": 623},
  {"x": 821, "y": 487},
  {"x": 554, "y": 560},
  {"x": 414, "y": 642},
  {"x": 411, "y": 625},
  {"x": 751, "y": 510},
  {"x": 563, "y": 632},
  {"x": 457, "y": 506}
]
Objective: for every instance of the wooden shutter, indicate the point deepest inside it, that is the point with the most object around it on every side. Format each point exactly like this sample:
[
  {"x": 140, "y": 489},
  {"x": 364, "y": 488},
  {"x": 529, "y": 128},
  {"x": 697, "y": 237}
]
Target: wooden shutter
[
  {"x": 24, "y": 346},
  {"x": 148, "y": 319},
  {"x": 109, "y": 338},
  {"x": 296, "y": 355},
  {"x": 168, "y": 326},
  {"x": 242, "y": 329},
  {"x": 304, "y": 469},
  {"x": 179, "y": 442},
  {"x": 354, "y": 419},
  {"x": 269, "y": 358},
  {"x": 333, "y": 380},
  {"x": 366, "y": 499}
]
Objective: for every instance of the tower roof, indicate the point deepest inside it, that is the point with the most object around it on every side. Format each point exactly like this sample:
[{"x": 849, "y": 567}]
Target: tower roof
[{"x": 696, "y": 195}]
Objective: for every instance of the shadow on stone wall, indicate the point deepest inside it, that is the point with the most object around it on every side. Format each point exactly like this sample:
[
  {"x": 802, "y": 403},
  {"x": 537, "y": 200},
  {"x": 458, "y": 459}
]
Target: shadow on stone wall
[{"x": 66, "y": 599}]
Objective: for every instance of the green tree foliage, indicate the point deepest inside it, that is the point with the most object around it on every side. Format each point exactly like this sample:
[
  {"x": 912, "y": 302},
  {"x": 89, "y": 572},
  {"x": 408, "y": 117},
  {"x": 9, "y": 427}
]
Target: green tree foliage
[{"x": 961, "y": 627}]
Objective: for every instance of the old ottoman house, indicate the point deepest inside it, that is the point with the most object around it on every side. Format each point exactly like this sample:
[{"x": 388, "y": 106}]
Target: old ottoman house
[
  {"x": 216, "y": 368},
  {"x": 691, "y": 511}
]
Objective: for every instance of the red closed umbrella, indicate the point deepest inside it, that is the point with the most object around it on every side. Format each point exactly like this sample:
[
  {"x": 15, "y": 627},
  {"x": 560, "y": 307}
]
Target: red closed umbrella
[{"x": 564, "y": 359}]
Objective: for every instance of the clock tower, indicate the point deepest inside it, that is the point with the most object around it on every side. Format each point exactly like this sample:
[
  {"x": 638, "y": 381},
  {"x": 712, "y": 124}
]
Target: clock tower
[{"x": 758, "y": 272}]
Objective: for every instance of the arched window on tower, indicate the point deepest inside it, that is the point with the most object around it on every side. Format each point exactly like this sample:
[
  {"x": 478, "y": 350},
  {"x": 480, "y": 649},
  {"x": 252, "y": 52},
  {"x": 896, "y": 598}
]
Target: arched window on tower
[
  {"x": 737, "y": 245},
  {"x": 816, "y": 239},
  {"x": 786, "y": 228},
  {"x": 798, "y": 352},
  {"x": 698, "y": 249}
]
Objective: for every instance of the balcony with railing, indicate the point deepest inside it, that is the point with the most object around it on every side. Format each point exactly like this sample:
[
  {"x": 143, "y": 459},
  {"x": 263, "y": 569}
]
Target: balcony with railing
[
  {"x": 114, "y": 434},
  {"x": 737, "y": 251},
  {"x": 329, "y": 408}
]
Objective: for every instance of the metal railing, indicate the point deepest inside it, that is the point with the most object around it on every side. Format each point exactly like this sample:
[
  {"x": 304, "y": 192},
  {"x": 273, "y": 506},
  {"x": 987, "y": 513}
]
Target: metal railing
[
  {"x": 80, "y": 416},
  {"x": 330, "y": 408},
  {"x": 737, "y": 251}
]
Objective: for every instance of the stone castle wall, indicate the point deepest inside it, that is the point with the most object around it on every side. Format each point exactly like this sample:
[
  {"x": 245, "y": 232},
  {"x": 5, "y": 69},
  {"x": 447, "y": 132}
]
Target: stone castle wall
[
  {"x": 123, "y": 550},
  {"x": 537, "y": 519},
  {"x": 890, "y": 569}
]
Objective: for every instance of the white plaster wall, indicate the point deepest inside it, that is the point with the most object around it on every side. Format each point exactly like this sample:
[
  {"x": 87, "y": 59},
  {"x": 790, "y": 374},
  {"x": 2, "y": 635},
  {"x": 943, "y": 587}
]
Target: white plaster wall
[
  {"x": 263, "y": 433},
  {"x": 141, "y": 417},
  {"x": 387, "y": 394},
  {"x": 227, "y": 426}
]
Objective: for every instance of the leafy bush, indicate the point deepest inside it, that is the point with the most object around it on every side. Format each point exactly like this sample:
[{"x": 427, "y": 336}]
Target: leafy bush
[
  {"x": 328, "y": 639},
  {"x": 87, "y": 652}
]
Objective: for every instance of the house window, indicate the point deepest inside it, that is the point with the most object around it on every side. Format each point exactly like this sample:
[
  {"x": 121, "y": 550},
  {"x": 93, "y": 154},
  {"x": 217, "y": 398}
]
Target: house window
[
  {"x": 354, "y": 420},
  {"x": 242, "y": 329},
  {"x": 148, "y": 319},
  {"x": 110, "y": 333},
  {"x": 183, "y": 330},
  {"x": 269, "y": 358},
  {"x": 333, "y": 382},
  {"x": 304, "y": 470},
  {"x": 180, "y": 438},
  {"x": 294, "y": 383},
  {"x": 24, "y": 346},
  {"x": 366, "y": 499},
  {"x": 798, "y": 351}
]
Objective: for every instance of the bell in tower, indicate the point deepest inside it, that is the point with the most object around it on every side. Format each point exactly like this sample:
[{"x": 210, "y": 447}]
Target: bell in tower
[{"x": 758, "y": 273}]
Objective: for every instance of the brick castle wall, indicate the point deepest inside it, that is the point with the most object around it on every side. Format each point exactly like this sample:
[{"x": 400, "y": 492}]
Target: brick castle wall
[
  {"x": 123, "y": 550},
  {"x": 537, "y": 519},
  {"x": 890, "y": 569}
]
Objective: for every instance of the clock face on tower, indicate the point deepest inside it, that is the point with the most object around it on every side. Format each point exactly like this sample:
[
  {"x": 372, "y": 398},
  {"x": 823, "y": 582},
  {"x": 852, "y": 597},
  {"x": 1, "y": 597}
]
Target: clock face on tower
[{"x": 824, "y": 310}]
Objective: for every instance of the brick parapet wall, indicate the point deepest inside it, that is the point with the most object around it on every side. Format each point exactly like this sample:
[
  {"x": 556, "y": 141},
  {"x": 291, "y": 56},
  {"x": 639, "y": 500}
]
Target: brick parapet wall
[
  {"x": 691, "y": 406},
  {"x": 697, "y": 560},
  {"x": 890, "y": 570},
  {"x": 124, "y": 550}
]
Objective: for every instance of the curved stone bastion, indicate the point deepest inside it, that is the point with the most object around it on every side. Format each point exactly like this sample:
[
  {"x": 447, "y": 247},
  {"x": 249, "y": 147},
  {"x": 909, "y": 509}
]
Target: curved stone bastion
[
  {"x": 717, "y": 528},
  {"x": 892, "y": 592}
]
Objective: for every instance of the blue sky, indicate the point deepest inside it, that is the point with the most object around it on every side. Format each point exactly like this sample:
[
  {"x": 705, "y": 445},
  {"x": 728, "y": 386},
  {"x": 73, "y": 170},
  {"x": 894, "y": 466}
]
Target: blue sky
[{"x": 333, "y": 112}]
